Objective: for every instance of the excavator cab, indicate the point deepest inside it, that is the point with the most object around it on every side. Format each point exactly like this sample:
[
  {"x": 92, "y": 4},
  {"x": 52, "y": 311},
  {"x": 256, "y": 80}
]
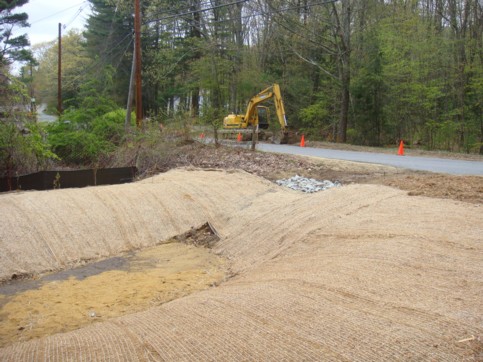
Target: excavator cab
[{"x": 263, "y": 117}]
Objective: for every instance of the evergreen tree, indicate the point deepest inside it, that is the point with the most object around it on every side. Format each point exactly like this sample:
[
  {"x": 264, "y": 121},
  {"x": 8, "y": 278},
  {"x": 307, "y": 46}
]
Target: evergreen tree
[
  {"x": 109, "y": 42},
  {"x": 13, "y": 48}
]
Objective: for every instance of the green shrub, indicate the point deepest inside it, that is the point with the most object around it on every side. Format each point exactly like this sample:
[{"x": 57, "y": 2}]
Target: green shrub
[
  {"x": 78, "y": 139},
  {"x": 110, "y": 126}
]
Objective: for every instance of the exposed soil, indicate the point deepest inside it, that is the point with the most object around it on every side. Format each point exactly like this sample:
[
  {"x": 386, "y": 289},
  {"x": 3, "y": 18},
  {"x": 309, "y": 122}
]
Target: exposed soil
[
  {"x": 359, "y": 272},
  {"x": 277, "y": 166},
  {"x": 65, "y": 301}
]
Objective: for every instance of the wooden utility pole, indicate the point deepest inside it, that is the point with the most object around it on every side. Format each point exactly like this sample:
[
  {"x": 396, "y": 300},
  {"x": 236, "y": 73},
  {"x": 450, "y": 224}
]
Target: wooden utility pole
[
  {"x": 137, "y": 54},
  {"x": 59, "y": 73},
  {"x": 127, "y": 121}
]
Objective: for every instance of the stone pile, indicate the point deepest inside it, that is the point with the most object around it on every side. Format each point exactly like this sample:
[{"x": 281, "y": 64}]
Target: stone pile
[{"x": 308, "y": 185}]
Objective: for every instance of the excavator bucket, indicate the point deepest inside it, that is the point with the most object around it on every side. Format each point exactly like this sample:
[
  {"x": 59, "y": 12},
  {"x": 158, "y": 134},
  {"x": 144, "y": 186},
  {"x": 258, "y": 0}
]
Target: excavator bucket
[{"x": 285, "y": 137}]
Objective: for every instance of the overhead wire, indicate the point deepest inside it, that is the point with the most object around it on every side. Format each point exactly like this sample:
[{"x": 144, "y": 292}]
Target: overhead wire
[
  {"x": 109, "y": 49},
  {"x": 102, "y": 61},
  {"x": 111, "y": 28},
  {"x": 79, "y": 11},
  {"x": 302, "y": 34},
  {"x": 205, "y": 8},
  {"x": 253, "y": 15},
  {"x": 196, "y": 11},
  {"x": 57, "y": 13},
  {"x": 171, "y": 15},
  {"x": 182, "y": 9},
  {"x": 259, "y": 13}
]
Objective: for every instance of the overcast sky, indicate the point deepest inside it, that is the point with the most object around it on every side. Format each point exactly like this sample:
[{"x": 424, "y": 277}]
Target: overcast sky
[{"x": 45, "y": 16}]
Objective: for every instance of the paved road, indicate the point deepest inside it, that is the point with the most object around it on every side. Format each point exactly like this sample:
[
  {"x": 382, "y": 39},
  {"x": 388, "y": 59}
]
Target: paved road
[
  {"x": 454, "y": 167},
  {"x": 44, "y": 117}
]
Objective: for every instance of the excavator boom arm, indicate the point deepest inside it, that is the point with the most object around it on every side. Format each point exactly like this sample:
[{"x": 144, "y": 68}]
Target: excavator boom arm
[{"x": 282, "y": 119}]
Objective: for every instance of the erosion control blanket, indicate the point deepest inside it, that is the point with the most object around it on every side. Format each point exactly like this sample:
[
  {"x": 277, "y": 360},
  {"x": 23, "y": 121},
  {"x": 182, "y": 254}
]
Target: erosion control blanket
[{"x": 359, "y": 272}]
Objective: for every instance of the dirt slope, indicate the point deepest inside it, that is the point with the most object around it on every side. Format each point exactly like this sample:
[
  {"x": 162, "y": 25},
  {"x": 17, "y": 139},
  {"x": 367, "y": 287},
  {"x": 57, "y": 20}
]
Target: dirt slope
[
  {"x": 52, "y": 230},
  {"x": 361, "y": 272}
]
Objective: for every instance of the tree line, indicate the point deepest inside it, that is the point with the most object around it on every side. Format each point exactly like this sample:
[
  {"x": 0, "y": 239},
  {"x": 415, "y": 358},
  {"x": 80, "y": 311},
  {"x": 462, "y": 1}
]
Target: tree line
[{"x": 367, "y": 72}]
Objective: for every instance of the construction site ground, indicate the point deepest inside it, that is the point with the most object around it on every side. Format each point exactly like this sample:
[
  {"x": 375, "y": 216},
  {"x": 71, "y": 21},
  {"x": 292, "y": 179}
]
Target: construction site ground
[{"x": 212, "y": 260}]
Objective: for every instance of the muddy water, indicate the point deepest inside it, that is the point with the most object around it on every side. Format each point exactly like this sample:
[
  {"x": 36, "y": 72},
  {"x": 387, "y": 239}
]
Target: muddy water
[
  {"x": 17, "y": 286},
  {"x": 71, "y": 299}
]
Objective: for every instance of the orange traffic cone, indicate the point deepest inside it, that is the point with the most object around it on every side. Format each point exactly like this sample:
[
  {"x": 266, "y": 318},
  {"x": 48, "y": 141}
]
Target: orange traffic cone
[
  {"x": 400, "y": 151},
  {"x": 302, "y": 141},
  {"x": 239, "y": 137}
]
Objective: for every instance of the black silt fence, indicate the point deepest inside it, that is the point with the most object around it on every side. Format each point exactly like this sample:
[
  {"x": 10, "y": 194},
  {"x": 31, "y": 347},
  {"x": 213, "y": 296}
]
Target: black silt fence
[{"x": 47, "y": 180}]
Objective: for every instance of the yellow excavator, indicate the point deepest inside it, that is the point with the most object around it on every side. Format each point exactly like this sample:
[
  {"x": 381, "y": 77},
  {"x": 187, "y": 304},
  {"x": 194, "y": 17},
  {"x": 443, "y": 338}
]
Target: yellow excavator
[{"x": 248, "y": 123}]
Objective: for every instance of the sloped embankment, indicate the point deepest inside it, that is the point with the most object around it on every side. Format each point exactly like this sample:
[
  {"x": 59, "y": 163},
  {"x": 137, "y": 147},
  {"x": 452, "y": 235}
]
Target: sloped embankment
[
  {"x": 53, "y": 230},
  {"x": 355, "y": 273}
]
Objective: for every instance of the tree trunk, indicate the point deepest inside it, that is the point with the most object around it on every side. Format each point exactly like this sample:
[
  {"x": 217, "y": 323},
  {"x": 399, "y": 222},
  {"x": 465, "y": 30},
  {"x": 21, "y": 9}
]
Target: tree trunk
[
  {"x": 196, "y": 34},
  {"x": 236, "y": 57},
  {"x": 344, "y": 107},
  {"x": 344, "y": 67}
]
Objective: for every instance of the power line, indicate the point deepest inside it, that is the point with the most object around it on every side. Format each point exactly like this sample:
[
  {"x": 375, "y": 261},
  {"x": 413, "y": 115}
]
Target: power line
[
  {"x": 195, "y": 11},
  {"x": 101, "y": 62},
  {"x": 272, "y": 11},
  {"x": 302, "y": 35},
  {"x": 57, "y": 13},
  {"x": 255, "y": 14},
  {"x": 108, "y": 50},
  {"x": 81, "y": 9},
  {"x": 177, "y": 11}
]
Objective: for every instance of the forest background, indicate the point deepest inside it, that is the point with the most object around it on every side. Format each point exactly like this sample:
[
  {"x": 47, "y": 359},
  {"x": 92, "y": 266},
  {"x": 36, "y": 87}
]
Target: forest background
[{"x": 369, "y": 72}]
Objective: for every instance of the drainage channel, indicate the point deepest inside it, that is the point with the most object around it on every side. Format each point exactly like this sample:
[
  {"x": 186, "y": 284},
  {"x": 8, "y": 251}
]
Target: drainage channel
[{"x": 110, "y": 288}]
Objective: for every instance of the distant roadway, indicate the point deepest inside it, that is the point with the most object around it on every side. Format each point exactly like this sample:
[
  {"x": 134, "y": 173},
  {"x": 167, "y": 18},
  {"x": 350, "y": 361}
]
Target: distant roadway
[
  {"x": 44, "y": 117},
  {"x": 432, "y": 164}
]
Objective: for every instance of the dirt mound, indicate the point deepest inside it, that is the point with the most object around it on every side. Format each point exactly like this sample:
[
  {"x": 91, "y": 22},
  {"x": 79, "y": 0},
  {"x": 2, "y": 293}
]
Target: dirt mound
[
  {"x": 360, "y": 272},
  {"x": 57, "y": 229}
]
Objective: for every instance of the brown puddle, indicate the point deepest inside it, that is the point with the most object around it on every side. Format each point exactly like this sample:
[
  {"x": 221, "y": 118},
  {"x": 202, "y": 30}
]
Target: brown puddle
[{"x": 117, "y": 286}]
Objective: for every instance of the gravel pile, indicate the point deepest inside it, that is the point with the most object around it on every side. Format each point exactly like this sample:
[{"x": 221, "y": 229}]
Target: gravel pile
[{"x": 308, "y": 185}]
